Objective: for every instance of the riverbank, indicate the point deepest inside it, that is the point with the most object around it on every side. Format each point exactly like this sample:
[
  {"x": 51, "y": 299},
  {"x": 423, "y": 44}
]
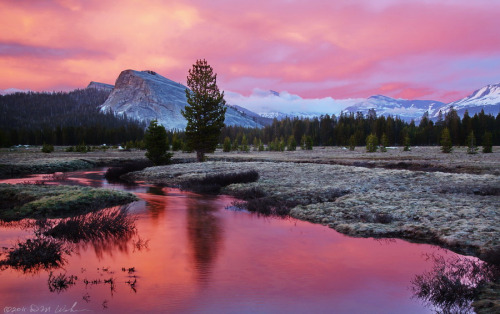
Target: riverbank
[{"x": 456, "y": 211}]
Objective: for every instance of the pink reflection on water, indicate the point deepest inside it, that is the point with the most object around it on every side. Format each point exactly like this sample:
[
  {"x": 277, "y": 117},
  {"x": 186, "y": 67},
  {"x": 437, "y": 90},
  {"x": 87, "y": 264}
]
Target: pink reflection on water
[{"x": 201, "y": 257}]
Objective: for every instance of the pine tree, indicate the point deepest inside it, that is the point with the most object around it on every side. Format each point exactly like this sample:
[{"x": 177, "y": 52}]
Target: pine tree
[
  {"x": 407, "y": 143},
  {"x": 235, "y": 145},
  {"x": 383, "y": 143},
  {"x": 244, "y": 144},
  {"x": 156, "y": 144},
  {"x": 371, "y": 143},
  {"x": 292, "y": 143},
  {"x": 205, "y": 111},
  {"x": 227, "y": 144},
  {"x": 471, "y": 143},
  {"x": 176, "y": 143},
  {"x": 487, "y": 143},
  {"x": 261, "y": 146},
  {"x": 446, "y": 145},
  {"x": 352, "y": 142}
]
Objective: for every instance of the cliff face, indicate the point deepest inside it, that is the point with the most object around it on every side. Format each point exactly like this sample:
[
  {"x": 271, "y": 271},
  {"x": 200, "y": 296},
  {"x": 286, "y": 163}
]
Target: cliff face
[{"x": 146, "y": 96}]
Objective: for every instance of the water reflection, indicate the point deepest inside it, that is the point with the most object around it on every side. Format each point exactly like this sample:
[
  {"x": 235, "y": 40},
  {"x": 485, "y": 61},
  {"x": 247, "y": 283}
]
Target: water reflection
[
  {"x": 205, "y": 236},
  {"x": 156, "y": 202},
  {"x": 451, "y": 285},
  {"x": 242, "y": 262}
]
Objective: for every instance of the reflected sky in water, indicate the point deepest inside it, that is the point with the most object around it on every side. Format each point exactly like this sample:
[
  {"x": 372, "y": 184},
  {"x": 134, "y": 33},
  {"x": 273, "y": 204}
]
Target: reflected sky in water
[{"x": 191, "y": 254}]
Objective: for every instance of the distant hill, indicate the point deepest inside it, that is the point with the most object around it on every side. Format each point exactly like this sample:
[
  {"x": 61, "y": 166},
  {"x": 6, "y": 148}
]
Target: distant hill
[{"x": 146, "y": 96}]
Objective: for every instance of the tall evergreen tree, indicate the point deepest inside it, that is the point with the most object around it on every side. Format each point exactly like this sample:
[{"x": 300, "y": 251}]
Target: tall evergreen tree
[{"x": 206, "y": 109}]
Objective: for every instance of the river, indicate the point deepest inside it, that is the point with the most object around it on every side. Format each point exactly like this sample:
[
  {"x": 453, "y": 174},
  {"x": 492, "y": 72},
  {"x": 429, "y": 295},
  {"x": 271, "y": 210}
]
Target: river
[{"x": 196, "y": 254}]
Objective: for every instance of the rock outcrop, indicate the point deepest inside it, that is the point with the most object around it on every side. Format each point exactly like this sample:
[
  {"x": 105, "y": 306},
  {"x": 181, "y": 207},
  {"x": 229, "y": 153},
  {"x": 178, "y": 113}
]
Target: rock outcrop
[{"x": 146, "y": 96}]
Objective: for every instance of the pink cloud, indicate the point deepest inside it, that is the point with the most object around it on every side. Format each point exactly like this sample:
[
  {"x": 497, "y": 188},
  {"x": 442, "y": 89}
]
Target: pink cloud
[{"x": 316, "y": 48}]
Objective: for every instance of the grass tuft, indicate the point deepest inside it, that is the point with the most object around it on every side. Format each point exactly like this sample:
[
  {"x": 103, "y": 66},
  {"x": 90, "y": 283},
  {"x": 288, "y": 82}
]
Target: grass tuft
[
  {"x": 60, "y": 282},
  {"x": 35, "y": 254},
  {"x": 104, "y": 224}
]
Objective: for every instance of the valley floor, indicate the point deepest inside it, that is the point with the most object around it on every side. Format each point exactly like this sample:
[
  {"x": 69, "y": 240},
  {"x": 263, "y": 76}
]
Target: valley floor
[{"x": 452, "y": 200}]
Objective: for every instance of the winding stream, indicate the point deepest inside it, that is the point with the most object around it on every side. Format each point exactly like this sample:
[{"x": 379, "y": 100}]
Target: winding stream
[{"x": 193, "y": 253}]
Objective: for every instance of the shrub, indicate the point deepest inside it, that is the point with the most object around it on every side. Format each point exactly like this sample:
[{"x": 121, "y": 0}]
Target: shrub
[{"x": 47, "y": 148}]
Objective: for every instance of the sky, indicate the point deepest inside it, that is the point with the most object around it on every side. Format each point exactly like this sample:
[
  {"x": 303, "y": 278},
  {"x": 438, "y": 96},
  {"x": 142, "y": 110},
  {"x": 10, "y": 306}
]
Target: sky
[{"x": 317, "y": 50}]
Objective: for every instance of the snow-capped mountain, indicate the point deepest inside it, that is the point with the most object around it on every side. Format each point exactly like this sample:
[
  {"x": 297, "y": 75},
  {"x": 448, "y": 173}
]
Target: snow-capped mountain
[
  {"x": 12, "y": 91},
  {"x": 486, "y": 98},
  {"x": 406, "y": 109},
  {"x": 301, "y": 115},
  {"x": 146, "y": 96}
]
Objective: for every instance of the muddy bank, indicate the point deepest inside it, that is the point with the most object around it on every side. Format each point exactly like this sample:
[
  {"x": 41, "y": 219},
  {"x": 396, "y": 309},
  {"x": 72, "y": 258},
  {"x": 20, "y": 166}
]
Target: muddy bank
[
  {"x": 55, "y": 201},
  {"x": 457, "y": 211}
]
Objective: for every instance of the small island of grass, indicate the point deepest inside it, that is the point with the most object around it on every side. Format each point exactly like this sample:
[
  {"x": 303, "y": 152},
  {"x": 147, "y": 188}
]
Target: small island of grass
[{"x": 48, "y": 201}]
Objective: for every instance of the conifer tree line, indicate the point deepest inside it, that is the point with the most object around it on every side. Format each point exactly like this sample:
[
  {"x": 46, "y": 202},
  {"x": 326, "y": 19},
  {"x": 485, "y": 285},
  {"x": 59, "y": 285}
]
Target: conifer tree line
[
  {"x": 351, "y": 130},
  {"x": 63, "y": 118}
]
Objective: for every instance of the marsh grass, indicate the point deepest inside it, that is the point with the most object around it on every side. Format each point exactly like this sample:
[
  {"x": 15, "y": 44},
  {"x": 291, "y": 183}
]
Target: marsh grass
[
  {"x": 212, "y": 184},
  {"x": 104, "y": 224},
  {"x": 48, "y": 201},
  {"x": 35, "y": 254},
  {"x": 60, "y": 282}
]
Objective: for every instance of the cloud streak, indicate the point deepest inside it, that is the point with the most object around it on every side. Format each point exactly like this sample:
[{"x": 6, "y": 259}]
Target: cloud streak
[{"x": 317, "y": 49}]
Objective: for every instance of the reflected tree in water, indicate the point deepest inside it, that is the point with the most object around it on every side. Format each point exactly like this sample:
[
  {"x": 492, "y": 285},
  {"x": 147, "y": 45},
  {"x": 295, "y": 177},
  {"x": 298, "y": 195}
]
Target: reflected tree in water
[
  {"x": 205, "y": 235},
  {"x": 452, "y": 284}
]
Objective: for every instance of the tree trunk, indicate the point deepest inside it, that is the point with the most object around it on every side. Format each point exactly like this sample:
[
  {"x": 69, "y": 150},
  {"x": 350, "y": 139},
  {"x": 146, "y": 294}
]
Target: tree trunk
[{"x": 200, "y": 156}]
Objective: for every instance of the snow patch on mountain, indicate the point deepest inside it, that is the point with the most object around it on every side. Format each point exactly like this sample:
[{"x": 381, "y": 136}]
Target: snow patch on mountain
[{"x": 486, "y": 98}]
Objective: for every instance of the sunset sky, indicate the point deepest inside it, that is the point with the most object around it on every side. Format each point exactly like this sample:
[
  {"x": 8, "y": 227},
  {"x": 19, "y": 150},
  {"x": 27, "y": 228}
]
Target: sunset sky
[{"x": 415, "y": 49}]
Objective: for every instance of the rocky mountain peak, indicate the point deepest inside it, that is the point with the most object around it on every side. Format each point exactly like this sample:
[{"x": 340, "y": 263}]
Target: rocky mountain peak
[{"x": 146, "y": 96}]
